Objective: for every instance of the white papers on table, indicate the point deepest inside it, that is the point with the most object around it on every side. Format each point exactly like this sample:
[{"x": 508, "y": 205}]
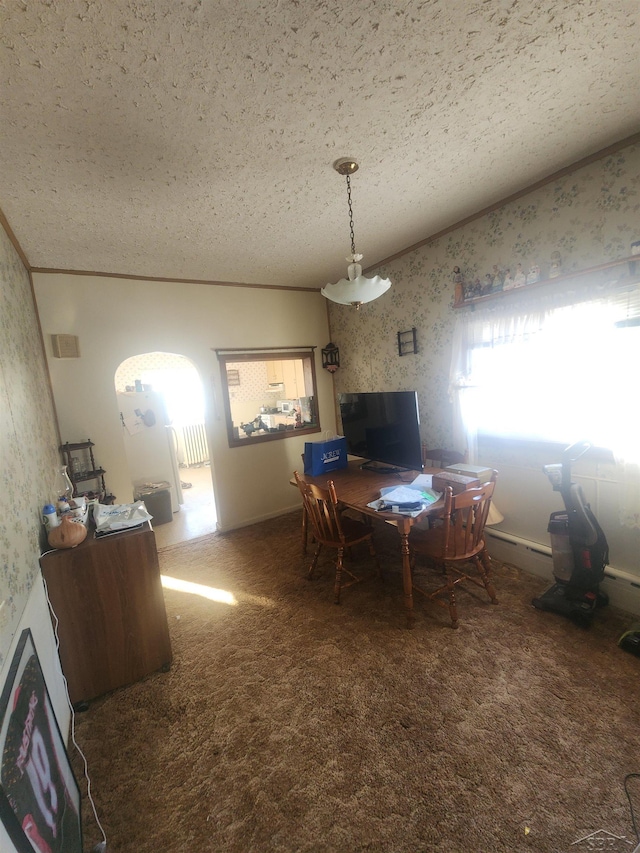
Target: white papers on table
[{"x": 403, "y": 499}]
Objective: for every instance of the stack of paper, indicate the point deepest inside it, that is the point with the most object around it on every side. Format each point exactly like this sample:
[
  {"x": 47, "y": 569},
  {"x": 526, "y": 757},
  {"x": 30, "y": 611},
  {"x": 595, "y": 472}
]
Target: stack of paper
[{"x": 410, "y": 499}]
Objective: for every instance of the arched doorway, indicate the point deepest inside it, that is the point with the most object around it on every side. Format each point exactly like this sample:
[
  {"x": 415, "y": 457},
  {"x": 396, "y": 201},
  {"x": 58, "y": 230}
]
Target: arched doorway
[{"x": 165, "y": 390}]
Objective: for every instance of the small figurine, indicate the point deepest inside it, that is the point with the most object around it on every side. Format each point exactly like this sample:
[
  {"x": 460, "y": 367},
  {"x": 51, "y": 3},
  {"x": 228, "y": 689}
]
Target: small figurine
[
  {"x": 498, "y": 276},
  {"x": 519, "y": 278},
  {"x": 488, "y": 284},
  {"x": 556, "y": 269},
  {"x": 255, "y": 425},
  {"x": 534, "y": 274},
  {"x": 508, "y": 283},
  {"x": 459, "y": 291}
]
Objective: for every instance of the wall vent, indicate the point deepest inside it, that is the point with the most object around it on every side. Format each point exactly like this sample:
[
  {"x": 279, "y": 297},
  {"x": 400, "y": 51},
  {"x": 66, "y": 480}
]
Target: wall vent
[{"x": 65, "y": 346}]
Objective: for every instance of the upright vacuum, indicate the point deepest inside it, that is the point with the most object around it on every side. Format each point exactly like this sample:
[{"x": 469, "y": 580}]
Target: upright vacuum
[{"x": 578, "y": 546}]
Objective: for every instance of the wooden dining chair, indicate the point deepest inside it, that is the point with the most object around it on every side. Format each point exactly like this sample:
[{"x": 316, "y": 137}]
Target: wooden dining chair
[
  {"x": 440, "y": 457},
  {"x": 305, "y": 522},
  {"x": 332, "y": 529},
  {"x": 456, "y": 544}
]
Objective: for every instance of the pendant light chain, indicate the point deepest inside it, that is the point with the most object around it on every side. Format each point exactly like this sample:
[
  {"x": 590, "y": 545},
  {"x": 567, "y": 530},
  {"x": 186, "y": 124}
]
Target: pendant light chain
[
  {"x": 356, "y": 289},
  {"x": 353, "y": 239}
]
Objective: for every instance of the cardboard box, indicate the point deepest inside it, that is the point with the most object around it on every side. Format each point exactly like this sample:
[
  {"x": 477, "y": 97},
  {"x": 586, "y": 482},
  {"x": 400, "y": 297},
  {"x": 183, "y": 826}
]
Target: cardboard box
[
  {"x": 458, "y": 482},
  {"x": 478, "y": 471}
]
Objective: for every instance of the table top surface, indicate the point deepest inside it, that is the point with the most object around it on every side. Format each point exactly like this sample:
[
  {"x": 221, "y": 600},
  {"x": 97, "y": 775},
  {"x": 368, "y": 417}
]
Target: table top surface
[
  {"x": 91, "y": 540},
  {"x": 356, "y": 487}
]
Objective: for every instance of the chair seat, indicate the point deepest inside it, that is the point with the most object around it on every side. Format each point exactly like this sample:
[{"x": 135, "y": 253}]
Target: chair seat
[{"x": 354, "y": 531}]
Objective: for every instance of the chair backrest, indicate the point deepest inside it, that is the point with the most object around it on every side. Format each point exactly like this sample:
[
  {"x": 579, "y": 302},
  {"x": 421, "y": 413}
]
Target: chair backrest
[
  {"x": 441, "y": 457},
  {"x": 321, "y": 506},
  {"x": 465, "y": 517}
]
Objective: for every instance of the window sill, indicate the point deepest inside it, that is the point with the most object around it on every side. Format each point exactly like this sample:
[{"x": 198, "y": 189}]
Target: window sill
[{"x": 630, "y": 262}]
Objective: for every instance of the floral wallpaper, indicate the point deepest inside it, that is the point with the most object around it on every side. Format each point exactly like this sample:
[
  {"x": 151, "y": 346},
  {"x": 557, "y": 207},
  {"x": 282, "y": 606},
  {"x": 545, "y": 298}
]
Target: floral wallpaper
[
  {"x": 253, "y": 382},
  {"x": 589, "y": 217},
  {"x": 28, "y": 442}
]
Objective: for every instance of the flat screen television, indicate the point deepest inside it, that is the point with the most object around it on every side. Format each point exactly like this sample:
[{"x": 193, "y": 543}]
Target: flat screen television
[{"x": 383, "y": 427}]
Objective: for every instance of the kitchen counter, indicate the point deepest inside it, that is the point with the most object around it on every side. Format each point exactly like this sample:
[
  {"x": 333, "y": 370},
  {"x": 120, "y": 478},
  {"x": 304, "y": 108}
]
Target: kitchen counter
[{"x": 273, "y": 421}]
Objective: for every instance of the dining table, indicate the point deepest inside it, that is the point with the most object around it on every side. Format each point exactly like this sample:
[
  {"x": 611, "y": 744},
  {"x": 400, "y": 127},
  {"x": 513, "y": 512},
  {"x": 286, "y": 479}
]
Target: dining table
[{"x": 357, "y": 487}]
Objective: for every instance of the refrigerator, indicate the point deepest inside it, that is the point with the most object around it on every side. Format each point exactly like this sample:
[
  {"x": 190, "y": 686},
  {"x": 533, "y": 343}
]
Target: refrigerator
[{"x": 150, "y": 442}]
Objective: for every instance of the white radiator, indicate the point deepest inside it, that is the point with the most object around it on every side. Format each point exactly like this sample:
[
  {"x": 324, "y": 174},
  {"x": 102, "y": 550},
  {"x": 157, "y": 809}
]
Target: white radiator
[{"x": 194, "y": 442}]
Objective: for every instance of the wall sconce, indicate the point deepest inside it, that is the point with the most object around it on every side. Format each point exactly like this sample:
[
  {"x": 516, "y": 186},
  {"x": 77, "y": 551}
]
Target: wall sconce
[{"x": 331, "y": 357}]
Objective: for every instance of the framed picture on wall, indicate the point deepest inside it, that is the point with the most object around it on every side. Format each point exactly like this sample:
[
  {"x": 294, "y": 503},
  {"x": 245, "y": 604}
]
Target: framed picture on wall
[{"x": 39, "y": 795}]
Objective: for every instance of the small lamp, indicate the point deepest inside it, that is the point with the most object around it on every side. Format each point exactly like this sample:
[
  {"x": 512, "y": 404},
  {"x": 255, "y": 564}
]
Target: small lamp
[
  {"x": 494, "y": 516},
  {"x": 331, "y": 357}
]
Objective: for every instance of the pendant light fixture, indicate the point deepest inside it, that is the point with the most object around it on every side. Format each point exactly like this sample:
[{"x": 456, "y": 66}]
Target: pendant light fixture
[{"x": 355, "y": 289}]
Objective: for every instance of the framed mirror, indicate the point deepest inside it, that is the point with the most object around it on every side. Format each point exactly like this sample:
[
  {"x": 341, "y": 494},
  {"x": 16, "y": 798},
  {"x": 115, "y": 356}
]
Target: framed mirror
[{"x": 268, "y": 395}]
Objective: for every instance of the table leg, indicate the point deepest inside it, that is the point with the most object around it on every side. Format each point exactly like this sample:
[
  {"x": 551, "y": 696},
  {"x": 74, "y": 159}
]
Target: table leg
[{"x": 403, "y": 529}]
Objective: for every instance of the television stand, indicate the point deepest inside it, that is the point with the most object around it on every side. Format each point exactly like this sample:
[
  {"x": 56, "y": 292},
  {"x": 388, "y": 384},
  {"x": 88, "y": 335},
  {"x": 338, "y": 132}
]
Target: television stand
[{"x": 381, "y": 468}]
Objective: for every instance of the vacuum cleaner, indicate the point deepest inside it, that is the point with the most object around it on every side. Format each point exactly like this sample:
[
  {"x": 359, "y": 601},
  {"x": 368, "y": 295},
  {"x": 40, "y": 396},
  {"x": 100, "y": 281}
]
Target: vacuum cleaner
[{"x": 578, "y": 547}]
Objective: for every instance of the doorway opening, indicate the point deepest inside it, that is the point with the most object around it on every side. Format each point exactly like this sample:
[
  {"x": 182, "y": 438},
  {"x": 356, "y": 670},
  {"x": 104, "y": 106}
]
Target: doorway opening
[{"x": 175, "y": 450}]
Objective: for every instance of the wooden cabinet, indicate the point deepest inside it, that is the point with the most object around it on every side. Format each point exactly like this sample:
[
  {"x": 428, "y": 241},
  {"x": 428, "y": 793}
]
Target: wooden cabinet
[
  {"x": 107, "y": 595},
  {"x": 293, "y": 380},
  {"x": 290, "y": 374},
  {"x": 274, "y": 372}
]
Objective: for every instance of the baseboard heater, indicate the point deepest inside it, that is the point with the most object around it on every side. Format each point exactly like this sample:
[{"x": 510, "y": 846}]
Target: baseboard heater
[{"x": 623, "y": 588}]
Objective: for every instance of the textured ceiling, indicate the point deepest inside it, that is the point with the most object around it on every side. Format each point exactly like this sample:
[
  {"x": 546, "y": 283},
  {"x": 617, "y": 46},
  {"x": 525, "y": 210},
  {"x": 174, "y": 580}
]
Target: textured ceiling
[{"x": 195, "y": 139}]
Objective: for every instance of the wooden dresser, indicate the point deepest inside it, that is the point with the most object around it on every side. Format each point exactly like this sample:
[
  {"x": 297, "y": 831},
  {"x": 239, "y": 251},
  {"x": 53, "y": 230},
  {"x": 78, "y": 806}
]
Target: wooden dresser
[{"x": 107, "y": 595}]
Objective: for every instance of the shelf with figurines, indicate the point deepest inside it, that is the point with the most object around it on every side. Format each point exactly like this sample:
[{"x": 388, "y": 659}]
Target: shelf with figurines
[
  {"x": 82, "y": 468},
  {"x": 500, "y": 283}
]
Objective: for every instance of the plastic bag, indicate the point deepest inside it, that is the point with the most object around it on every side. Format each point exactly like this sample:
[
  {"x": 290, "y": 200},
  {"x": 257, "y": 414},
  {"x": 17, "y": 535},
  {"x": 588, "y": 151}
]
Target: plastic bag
[{"x": 120, "y": 516}]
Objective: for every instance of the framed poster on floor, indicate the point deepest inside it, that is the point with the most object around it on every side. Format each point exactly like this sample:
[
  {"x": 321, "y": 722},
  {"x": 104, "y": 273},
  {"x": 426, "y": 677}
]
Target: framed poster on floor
[{"x": 39, "y": 795}]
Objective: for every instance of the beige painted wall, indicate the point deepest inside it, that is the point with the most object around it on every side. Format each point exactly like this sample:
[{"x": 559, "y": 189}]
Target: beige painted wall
[{"x": 118, "y": 318}]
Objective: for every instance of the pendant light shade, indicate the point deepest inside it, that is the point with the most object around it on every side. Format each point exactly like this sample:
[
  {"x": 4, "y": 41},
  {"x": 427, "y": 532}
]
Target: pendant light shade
[
  {"x": 355, "y": 292},
  {"x": 356, "y": 288}
]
